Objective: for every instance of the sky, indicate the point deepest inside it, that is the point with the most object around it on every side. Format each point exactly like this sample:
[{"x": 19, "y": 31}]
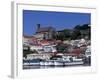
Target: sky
[{"x": 58, "y": 20}]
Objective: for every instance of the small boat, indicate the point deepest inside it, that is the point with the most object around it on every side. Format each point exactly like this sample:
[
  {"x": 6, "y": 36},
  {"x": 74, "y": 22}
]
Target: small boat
[
  {"x": 33, "y": 62},
  {"x": 26, "y": 64},
  {"x": 51, "y": 63},
  {"x": 58, "y": 63},
  {"x": 42, "y": 63},
  {"x": 46, "y": 63},
  {"x": 77, "y": 59},
  {"x": 74, "y": 63}
]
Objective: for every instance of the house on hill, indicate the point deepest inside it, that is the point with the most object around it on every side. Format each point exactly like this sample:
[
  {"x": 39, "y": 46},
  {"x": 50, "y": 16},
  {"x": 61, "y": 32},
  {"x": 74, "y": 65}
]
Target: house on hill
[{"x": 44, "y": 32}]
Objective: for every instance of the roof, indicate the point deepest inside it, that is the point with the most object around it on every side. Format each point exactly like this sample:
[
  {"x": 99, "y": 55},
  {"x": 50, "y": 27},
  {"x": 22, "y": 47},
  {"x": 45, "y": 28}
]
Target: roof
[
  {"x": 30, "y": 37},
  {"x": 25, "y": 36},
  {"x": 44, "y": 29}
]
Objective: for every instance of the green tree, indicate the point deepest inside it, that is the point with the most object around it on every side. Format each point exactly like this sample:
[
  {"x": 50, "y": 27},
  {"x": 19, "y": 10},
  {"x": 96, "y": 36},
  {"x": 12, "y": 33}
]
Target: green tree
[
  {"x": 76, "y": 34},
  {"x": 79, "y": 29},
  {"x": 64, "y": 34},
  {"x": 61, "y": 48}
]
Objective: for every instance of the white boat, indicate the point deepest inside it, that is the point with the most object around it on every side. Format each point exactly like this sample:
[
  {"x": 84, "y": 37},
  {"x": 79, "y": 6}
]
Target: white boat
[
  {"x": 25, "y": 64},
  {"x": 74, "y": 63},
  {"x": 42, "y": 63},
  {"x": 46, "y": 63},
  {"x": 34, "y": 64},
  {"x": 57, "y": 63},
  {"x": 77, "y": 60},
  {"x": 29, "y": 64},
  {"x": 51, "y": 63}
]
